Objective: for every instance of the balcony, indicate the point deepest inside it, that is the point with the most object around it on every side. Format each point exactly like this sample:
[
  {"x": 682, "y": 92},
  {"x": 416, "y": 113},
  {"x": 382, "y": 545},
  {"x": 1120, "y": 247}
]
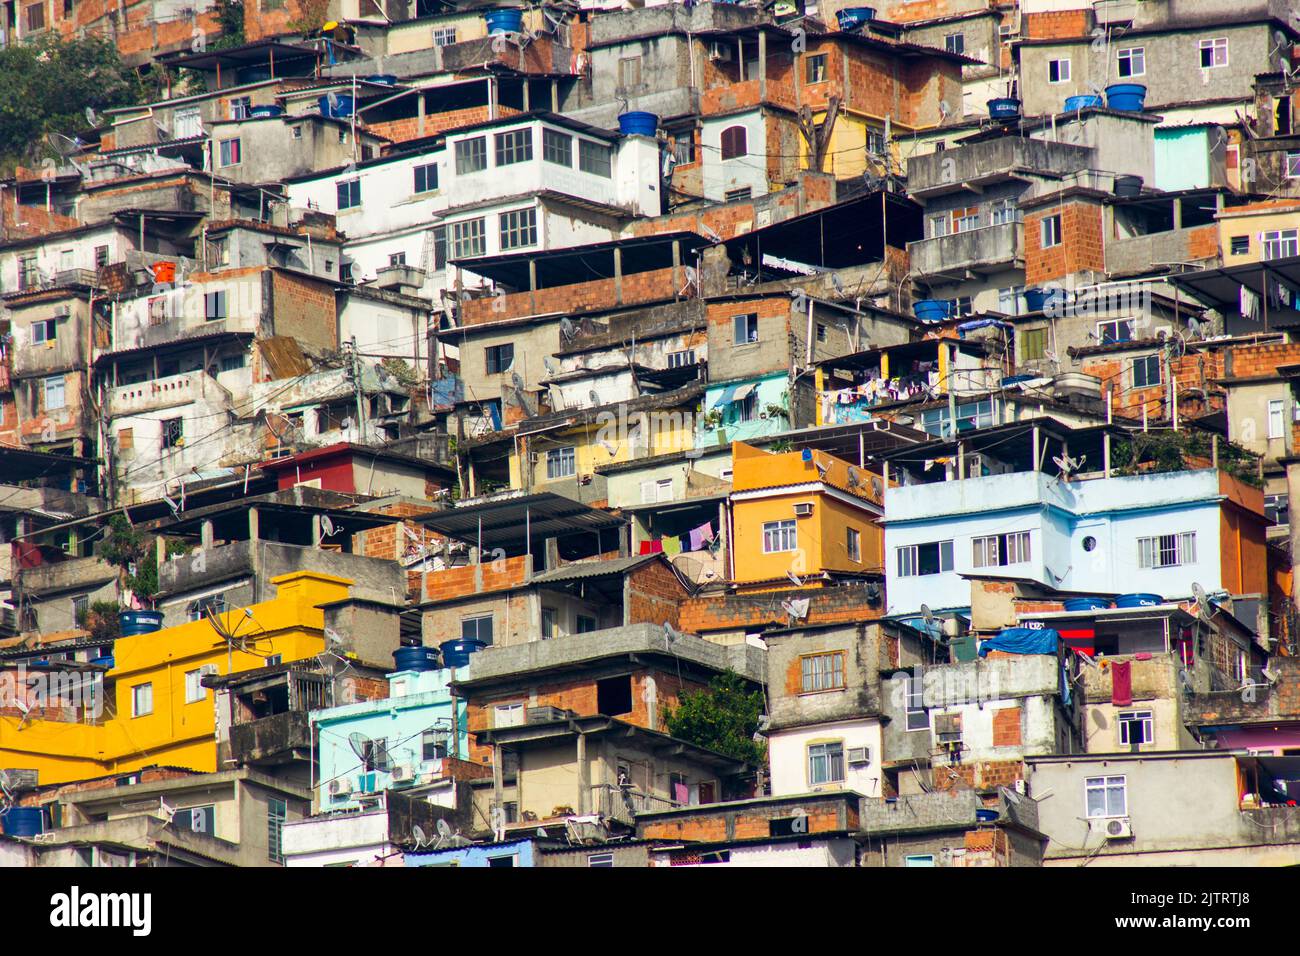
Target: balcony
[
  {"x": 33, "y": 280},
  {"x": 72, "y": 574},
  {"x": 168, "y": 392},
  {"x": 273, "y": 739},
  {"x": 624, "y": 803},
  {"x": 979, "y": 251},
  {"x": 973, "y": 166}
]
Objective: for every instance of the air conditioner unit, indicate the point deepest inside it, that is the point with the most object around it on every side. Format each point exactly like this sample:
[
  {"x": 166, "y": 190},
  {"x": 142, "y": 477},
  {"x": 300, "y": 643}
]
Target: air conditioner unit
[
  {"x": 340, "y": 786},
  {"x": 62, "y": 312},
  {"x": 403, "y": 774},
  {"x": 859, "y": 756},
  {"x": 947, "y": 728},
  {"x": 721, "y": 52},
  {"x": 545, "y": 715},
  {"x": 1008, "y": 30},
  {"x": 803, "y": 509},
  {"x": 1115, "y": 828},
  {"x": 1021, "y": 787}
]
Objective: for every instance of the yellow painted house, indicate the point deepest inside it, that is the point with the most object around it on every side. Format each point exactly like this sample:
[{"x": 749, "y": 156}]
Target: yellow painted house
[
  {"x": 156, "y": 712},
  {"x": 803, "y": 513},
  {"x": 1268, "y": 229}
]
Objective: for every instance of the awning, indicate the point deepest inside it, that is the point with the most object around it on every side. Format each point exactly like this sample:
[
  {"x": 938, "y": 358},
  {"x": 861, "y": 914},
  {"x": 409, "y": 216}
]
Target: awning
[
  {"x": 1022, "y": 640},
  {"x": 735, "y": 393},
  {"x": 1221, "y": 288}
]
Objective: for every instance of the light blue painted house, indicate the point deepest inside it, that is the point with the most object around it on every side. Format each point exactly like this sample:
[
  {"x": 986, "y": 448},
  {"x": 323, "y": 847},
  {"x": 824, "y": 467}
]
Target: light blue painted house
[
  {"x": 743, "y": 411},
  {"x": 512, "y": 853},
  {"x": 404, "y": 740},
  {"x": 1095, "y": 533}
]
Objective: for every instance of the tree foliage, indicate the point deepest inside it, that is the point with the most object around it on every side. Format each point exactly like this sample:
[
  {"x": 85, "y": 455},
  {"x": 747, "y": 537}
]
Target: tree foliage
[
  {"x": 127, "y": 549},
  {"x": 45, "y": 87},
  {"x": 723, "y": 718},
  {"x": 1162, "y": 451},
  {"x": 230, "y": 17}
]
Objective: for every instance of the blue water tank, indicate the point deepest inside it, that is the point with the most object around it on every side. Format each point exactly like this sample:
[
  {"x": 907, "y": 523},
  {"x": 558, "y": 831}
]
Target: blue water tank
[
  {"x": 1086, "y": 604},
  {"x": 1138, "y": 600},
  {"x": 1036, "y": 299},
  {"x": 267, "y": 110},
  {"x": 932, "y": 310},
  {"x": 852, "y": 18},
  {"x": 383, "y": 79},
  {"x": 1128, "y": 97},
  {"x": 638, "y": 123},
  {"x": 105, "y": 661},
  {"x": 1083, "y": 102},
  {"x": 343, "y": 104},
  {"x": 139, "y": 622},
  {"x": 417, "y": 658},
  {"x": 1004, "y": 108},
  {"x": 22, "y": 821},
  {"x": 457, "y": 653},
  {"x": 503, "y": 21}
]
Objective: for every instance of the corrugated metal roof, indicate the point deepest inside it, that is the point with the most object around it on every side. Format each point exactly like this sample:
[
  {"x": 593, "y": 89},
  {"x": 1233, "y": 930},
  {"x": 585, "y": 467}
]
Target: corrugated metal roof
[{"x": 593, "y": 569}]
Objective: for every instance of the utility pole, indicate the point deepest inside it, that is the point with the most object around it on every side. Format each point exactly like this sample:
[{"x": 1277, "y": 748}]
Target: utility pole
[{"x": 356, "y": 385}]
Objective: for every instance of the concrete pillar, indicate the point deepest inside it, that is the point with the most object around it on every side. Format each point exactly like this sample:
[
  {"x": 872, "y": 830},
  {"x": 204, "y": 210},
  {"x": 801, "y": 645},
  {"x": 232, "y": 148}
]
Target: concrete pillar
[
  {"x": 762, "y": 64},
  {"x": 618, "y": 276},
  {"x": 315, "y": 531},
  {"x": 584, "y": 776},
  {"x": 552, "y": 552},
  {"x": 419, "y": 115},
  {"x": 206, "y": 534},
  {"x": 252, "y": 524}
]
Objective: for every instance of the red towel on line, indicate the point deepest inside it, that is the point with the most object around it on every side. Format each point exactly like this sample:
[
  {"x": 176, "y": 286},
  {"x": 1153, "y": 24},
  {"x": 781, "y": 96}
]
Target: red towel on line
[{"x": 1121, "y": 687}]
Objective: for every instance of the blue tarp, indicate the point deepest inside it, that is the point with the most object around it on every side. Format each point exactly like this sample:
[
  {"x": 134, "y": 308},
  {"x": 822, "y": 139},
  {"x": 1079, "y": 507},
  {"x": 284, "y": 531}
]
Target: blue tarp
[{"x": 1023, "y": 640}]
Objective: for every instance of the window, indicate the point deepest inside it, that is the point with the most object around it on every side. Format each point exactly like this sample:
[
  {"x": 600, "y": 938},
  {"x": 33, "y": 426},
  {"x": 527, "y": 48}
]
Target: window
[
  {"x": 561, "y": 463},
  {"x": 296, "y": 131},
  {"x": 477, "y": 628},
  {"x": 1146, "y": 372},
  {"x": 681, "y": 359},
  {"x": 1275, "y": 418},
  {"x": 507, "y": 715},
  {"x": 746, "y": 328},
  {"x": 735, "y": 142},
  {"x": 1106, "y": 796},
  {"x": 822, "y": 672},
  {"x": 499, "y": 358},
  {"x": 349, "y": 193},
  {"x": 197, "y": 610},
  {"x": 1131, "y": 61},
  {"x": 501, "y": 860},
  {"x": 1239, "y": 245},
  {"x": 629, "y": 72},
  {"x": 1005, "y": 210},
  {"x": 196, "y": 819},
  {"x": 853, "y": 542},
  {"x": 194, "y": 689},
  {"x": 471, "y": 155},
  {"x": 55, "y": 393},
  {"x": 1050, "y": 229},
  {"x": 173, "y": 433},
  {"x": 656, "y": 490},
  {"x": 779, "y": 536},
  {"x": 374, "y": 755},
  {"x": 1058, "y": 71},
  {"x": 518, "y": 228},
  {"x": 214, "y": 305},
  {"x": 186, "y": 123},
  {"x": 444, "y": 37},
  {"x": 1120, "y": 330},
  {"x": 1214, "y": 53},
  {"x": 433, "y": 744},
  {"x": 142, "y": 700},
  {"x": 241, "y": 107},
  {"x": 614, "y": 695},
  {"x": 1136, "y": 727},
  {"x": 1276, "y": 508},
  {"x": 1292, "y": 165},
  {"x": 940, "y": 226},
  {"x": 548, "y": 623},
  {"x": 557, "y": 147},
  {"x": 600, "y": 859},
  {"x": 230, "y": 152},
  {"x": 514, "y": 146},
  {"x": 396, "y": 259},
  {"x": 439, "y": 247},
  {"x": 955, "y": 43},
  {"x": 738, "y": 194},
  {"x": 230, "y": 363},
  {"x": 1000, "y": 549},
  {"x": 962, "y": 305},
  {"x": 468, "y": 238},
  {"x": 276, "y": 812},
  {"x": 963, "y": 220},
  {"x": 584, "y": 624},
  {"x": 1281, "y": 244},
  {"x": 915, "y": 560},
  {"x": 426, "y": 178},
  {"x": 825, "y": 764},
  {"x": 101, "y": 257},
  {"x": 816, "y": 67},
  {"x": 684, "y": 146},
  {"x": 595, "y": 158},
  {"x": 1167, "y": 550},
  {"x": 36, "y": 17},
  {"x": 1033, "y": 344}
]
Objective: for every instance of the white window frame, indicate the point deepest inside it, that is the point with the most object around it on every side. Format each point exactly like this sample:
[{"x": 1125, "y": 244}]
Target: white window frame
[
  {"x": 986, "y": 551},
  {"x": 1131, "y": 54},
  {"x": 1104, "y": 786},
  {"x": 1145, "y": 362},
  {"x": 1175, "y": 550},
  {"x": 1291, "y": 165},
  {"x": 853, "y": 543},
  {"x": 780, "y": 536},
  {"x": 1276, "y": 418},
  {"x": 194, "y": 689},
  {"x": 914, "y": 704},
  {"x": 1279, "y": 244},
  {"x": 238, "y": 152},
  {"x": 142, "y": 699},
  {"x": 1049, "y": 231},
  {"x": 561, "y": 463},
  {"x": 1214, "y": 44},
  {"x": 830, "y": 755},
  {"x": 1125, "y": 719},
  {"x": 1114, "y": 326},
  {"x": 54, "y": 385},
  {"x": 1062, "y": 75},
  {"x": 513, "y": 713},
  {"x": 909, "y": 558}
]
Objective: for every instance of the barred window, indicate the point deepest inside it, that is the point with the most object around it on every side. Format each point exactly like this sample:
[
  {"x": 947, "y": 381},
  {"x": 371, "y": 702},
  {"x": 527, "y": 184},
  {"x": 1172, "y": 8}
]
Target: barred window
[{"x": 1167, "y": 550}]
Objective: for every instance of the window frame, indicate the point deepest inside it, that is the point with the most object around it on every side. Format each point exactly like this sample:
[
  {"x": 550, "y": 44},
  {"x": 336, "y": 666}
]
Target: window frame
[
  {"x": 478, "y": 621},
  {"x": 561, "y": 463},
  {"x": 750, "y": 335},
  {"x": 347, "y": 193},
  {"x": 822, "y": 672},
  {"x": 595, "y": 159},
  {"x": 1049, "y": 228},
  {"x": 517, "y": 228},
  {"x": 557, "y": 147},
  {"x": 1062, "y": 76},
  {"x": 909, "y": 558},
  {"x": 471, "y": 232},
  {"x": 143, "y": 689},
  {"x": 236, "y": 151},
  {"x": 815, "y": 68},
  {"x": 1276, "y": 409},
  {"x": 853, "y": 544},
  {"x": 1131, "y": 54},
  {"x": 421, "y": 172},
  {"x": 48, "y": 386},
  {"x": 780, "y": 536},
  {"x": 492, "y": 356},
  {"x": 1214, "y": 45},
  {"x": 831, "y": 753},
  {"x": 1142, "y": 718},
  {"x": 1105, "y": 785},
  {"x": 1154, "y": 550},
  {"x": 471, "y": 155},
  {"x": 513, "y": 146},
  {"x": 1145, "y": 363},
  {"x": 733, "y": 142}
]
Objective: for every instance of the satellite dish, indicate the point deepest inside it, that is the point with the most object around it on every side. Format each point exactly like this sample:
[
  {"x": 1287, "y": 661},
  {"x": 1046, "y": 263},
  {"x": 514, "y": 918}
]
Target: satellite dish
[
  {"x": 421, "y": 840},
  {"x": 594, "y": 396},
  {"x": 854, "y": 480},
  {"x": 794, "y": 578},
  {"x": 822, "y": 470},
  {"x": 326, "y": 525},
  {"x": 671, "y": 634},
  {"x": 167, "y": 811},
  {"x": 797, "y": 608},
  {"x": 710, "y": 233},
  {"x": 515, "y": 380},
  {"x": 944, "y": 109},
  {"x": 609, "y": 446},
  {"x": 877, "y": 487},
  {"x": 332, "y": 636},
  {"x": 1202, "y": 599},
  {"x": 346, "y": 423},
  {"x": 92, "y": 117},
  {"x": 549, "y": 365},
  {"x": 172, "y": 504},
  {"x": 930, "y": 621},
  {"x": 567, "y": 329},
  {"x": 361, "y": 745}
]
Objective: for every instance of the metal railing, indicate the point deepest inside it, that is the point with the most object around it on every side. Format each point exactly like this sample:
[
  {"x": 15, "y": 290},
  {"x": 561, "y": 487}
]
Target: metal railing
[{"x": 624, "y": 803}]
